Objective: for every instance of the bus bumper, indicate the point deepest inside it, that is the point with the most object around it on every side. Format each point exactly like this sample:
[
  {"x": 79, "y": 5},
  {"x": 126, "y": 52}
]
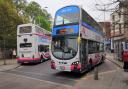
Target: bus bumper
[{"x": 28, "y": 60}]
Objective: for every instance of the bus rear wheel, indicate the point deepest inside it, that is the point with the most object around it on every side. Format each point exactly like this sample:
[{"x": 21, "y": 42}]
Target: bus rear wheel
[
  {"x": 90, "y": 64},
  {"x": 41, "y": 59}
]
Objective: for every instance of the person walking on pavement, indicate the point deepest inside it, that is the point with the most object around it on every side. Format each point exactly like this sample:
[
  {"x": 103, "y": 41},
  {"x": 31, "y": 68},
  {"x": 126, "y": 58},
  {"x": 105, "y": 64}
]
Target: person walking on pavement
[{"x": 14, "y": 53}]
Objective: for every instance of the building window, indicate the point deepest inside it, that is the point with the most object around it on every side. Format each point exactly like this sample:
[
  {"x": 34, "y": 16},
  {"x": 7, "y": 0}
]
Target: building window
[
  {"x": 119, "y": 14},
  {"x": 120, "y": 28},
  {"x": 113, "y": 17}
]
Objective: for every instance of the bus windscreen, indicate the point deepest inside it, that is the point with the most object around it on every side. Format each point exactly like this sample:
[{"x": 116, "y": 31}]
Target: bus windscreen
[{"x": 64, "y": 48}]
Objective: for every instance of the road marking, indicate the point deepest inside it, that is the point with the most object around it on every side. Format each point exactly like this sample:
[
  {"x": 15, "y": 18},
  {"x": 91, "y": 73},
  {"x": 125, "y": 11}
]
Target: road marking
[
  {"x": 43, "y": 75},
  {"x": 20, "y": 67},
  {"x": 40, "y": 80}
]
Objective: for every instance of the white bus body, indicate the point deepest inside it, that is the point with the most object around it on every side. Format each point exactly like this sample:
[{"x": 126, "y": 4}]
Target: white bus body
[
  {"x": 76, "y": 46},
  {"x": 32, "y": 43}
]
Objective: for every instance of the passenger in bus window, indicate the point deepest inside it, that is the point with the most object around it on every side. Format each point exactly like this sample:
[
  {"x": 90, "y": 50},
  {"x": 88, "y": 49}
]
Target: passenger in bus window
[{"x": 57, "y": 44}]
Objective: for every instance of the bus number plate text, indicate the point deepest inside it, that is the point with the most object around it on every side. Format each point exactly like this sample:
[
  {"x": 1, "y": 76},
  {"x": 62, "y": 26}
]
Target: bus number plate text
[{"x": 62, "y": 68}]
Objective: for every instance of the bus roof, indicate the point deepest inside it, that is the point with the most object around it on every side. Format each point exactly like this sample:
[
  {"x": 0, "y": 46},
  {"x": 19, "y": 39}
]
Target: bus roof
[
  {"x": 30, "y": 24},
  {"x": 66, "y": 7}
]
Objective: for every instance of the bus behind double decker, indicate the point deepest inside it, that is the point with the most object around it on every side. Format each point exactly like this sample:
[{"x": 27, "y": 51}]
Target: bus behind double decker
[
  {"x": 77, "y": 40},
  {"x": 32, "y": 43}
]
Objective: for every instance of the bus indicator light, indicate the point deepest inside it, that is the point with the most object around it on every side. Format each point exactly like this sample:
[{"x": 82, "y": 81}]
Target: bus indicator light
[
  {"x": 78, "y": 40},
  {"x": 71, "y": 30}
]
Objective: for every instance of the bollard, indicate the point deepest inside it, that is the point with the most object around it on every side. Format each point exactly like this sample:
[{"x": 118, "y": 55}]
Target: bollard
[{"x": 96, "y": 73}]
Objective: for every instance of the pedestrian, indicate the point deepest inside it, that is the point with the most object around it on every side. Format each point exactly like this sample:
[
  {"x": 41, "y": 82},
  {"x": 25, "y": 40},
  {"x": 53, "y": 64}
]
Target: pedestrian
[
  {"x": 14, "y": 53},
  {"x": 125, "y": 60}
]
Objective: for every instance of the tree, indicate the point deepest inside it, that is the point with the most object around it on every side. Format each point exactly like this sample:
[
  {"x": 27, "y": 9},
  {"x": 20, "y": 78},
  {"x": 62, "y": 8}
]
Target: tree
[
  {"x": 38, "y": 15},
  {"x": 9, "y": 24},
  {"x": 20, "y": 6},
  {"x": 41, "y": 21},
  {"x": 15, "y": 12}
]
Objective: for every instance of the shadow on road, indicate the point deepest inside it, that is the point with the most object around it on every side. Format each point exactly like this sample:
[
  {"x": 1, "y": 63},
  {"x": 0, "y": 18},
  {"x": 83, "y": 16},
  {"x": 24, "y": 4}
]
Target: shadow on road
[{"x": 74, "y": 75}]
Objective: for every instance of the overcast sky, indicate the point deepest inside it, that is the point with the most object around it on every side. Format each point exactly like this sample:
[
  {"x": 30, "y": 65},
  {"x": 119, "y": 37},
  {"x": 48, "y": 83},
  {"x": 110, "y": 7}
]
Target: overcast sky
[{"x": 88, "y": 5}]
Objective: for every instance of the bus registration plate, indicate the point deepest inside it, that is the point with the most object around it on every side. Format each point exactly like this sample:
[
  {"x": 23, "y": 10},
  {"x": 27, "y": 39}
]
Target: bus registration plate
[{"x": 62, "y": 68}]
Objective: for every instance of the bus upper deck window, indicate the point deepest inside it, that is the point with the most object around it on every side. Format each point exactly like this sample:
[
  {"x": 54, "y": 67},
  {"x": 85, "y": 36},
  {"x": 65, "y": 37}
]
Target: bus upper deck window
[{"x": 26, "y": 29}]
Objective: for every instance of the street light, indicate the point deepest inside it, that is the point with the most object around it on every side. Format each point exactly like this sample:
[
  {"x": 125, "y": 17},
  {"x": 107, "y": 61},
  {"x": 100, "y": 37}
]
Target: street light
[{"x": 104, "y": 10}]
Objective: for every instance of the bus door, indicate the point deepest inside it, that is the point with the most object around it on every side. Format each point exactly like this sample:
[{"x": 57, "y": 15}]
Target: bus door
[{"x": 83, "y": 54}]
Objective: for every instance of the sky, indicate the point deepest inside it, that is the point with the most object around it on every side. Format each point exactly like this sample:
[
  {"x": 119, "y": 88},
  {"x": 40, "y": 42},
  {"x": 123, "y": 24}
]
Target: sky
[{"x": 88, "y": 5}]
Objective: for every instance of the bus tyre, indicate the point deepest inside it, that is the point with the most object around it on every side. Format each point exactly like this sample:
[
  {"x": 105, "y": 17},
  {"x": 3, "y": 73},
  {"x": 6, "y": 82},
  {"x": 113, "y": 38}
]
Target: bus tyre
[
  {"x": 41, "y": 59},
  {"x": 102, "y": 60},
  {"x": 90, "y": 64}
]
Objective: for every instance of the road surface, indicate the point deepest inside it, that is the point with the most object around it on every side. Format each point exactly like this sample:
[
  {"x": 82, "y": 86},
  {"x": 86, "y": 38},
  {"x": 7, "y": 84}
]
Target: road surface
[{"x": 27, "y": 76}]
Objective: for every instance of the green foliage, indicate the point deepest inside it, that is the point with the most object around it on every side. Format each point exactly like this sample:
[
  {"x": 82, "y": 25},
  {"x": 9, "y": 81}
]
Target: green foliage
[
  {"x": 9, "y": 19},
  {"x": 15, "y": 12},
  {"x": 40, "y": 20},
  {"x": 38, "y": 15},
  {"x": 21, "y": 6}
]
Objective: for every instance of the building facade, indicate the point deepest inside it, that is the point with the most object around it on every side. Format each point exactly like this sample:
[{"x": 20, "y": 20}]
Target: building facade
[
  {"x": 107, "y": 34},
  {"x": 119, "y": 30}
]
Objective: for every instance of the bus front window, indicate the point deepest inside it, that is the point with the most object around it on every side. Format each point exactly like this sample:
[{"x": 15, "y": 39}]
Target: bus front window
[
  {"x": 67, "y": 18},
  {"x": 64, "y": 48}
]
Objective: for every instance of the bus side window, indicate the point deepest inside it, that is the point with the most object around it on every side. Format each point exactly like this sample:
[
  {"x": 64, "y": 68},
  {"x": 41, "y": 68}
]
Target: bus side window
[
  {"x": 90, "y": 46},
  {"x": 40, "y": 48},
  {"x": 46, "y": 49},
  {"x": 97, "y": 47}
]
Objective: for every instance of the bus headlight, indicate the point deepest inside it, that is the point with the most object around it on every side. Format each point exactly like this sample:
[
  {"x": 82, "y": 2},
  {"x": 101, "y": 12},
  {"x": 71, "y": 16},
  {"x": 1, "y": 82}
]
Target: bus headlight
[
  {"x": 75, "y": 66},
  {"x": 75, "y": 63},
  {"x": 78, "y": 40}
]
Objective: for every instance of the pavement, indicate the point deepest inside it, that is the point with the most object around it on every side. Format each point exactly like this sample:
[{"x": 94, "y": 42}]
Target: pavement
[
  {"x": 111, "y": 57},
  {"x": 109, "y": 80},
  {"x": 10, "y": 64},
  {"x": 115, "y": 79}
]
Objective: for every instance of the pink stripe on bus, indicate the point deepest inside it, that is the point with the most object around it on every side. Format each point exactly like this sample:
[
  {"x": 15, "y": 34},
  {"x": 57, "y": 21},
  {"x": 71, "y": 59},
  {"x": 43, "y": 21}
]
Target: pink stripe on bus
[{"x": 28, "y": 58}]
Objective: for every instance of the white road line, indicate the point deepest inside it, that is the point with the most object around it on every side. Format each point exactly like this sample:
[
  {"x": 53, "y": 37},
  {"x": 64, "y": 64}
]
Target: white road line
[
  {"x": 40, "y": 80},
  {"x": 43, "y": 75}
]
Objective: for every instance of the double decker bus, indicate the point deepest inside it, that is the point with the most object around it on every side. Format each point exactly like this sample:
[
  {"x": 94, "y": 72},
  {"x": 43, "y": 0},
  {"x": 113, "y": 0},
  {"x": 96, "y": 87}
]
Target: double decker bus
[
  {"x": 32, "y": 43},
  {"x": 77, "y": 40}
]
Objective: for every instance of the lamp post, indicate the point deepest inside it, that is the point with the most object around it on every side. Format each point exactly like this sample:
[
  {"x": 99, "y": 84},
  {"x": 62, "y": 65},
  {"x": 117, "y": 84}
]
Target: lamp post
[
  {"x": 96, "y": 68},
  {"x": 104, "y": 10}
]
